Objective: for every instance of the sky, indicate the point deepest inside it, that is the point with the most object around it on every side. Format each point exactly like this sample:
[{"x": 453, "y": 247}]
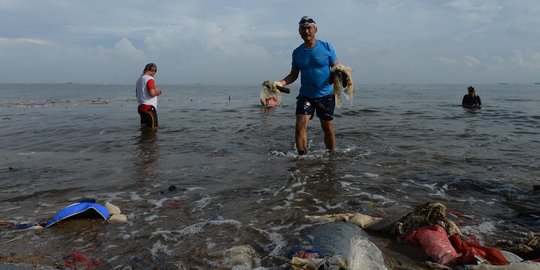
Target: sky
[{"x": 250, "y": 41}]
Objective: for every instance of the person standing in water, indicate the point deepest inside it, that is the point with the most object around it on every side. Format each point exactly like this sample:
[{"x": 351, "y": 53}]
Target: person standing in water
[
  {"x": 147, "y": 93},
  {"x": 471, "y": 99},
  {"x": 314, "y": 59}
]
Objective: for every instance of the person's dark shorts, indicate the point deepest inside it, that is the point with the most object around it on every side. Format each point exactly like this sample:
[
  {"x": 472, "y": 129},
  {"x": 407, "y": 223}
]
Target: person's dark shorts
[
  {"x": 323, "y": 106},
  {"x": 148, "y": 115}
]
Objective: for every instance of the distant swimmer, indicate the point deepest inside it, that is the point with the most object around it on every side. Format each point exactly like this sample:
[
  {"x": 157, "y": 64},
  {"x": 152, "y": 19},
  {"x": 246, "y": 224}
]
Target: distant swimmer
[
  {"x": 471, "y": 100},
  {"x": 147, "y": 94},
  {"x": 314, "y": 59}
]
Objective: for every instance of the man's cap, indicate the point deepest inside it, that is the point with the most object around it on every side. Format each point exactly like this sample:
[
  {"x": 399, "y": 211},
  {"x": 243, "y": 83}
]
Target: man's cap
[
  {"x": 470, "y": 88},
  {"x": 306, "y": 20}
]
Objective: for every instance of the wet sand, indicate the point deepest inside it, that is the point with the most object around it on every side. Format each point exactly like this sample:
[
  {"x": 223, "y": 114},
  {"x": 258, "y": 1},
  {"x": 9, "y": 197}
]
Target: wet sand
[{"x": 397, "y": 257}]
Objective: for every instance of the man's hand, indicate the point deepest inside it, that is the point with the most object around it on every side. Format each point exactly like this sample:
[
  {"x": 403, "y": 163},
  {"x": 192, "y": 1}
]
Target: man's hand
[{"x": 281, "y": 88}]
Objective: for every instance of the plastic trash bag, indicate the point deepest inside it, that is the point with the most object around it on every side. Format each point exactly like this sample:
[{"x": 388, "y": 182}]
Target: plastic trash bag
[{"x": 434, "y": 242}]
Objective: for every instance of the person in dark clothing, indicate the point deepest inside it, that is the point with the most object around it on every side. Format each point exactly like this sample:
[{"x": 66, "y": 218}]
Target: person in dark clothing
[{"x": 471, "y": 100}]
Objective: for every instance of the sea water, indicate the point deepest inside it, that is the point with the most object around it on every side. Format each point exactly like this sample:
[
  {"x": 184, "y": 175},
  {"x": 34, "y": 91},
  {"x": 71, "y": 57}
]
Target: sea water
[{"x": 222, "y": 172}]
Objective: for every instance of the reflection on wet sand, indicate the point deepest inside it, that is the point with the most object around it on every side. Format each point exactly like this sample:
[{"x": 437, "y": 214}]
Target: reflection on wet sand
[
  {"x": 146, "y": 156},
  {"x": 313, "y": 185}
]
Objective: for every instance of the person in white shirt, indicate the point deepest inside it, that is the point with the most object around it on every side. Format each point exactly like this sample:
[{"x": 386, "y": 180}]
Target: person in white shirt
[{"x": 147, "y": 94}]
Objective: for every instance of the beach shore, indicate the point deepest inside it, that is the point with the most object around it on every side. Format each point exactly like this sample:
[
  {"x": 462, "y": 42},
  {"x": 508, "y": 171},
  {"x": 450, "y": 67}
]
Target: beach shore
[{"x": 397, "y": 257}]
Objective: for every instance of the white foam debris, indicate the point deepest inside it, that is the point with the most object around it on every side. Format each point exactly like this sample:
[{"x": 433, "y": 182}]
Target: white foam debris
[
  {"x": 371, "y": 175},
  {"x": 484, "y": 227},
  {"x": 135, "y": 197},
  {"x": 158, "y": 203},
  {"x": 150, "y": 218},
  {"x": 189, "y": 189},
  {"x": 202, "y": 203},
  {"x": 344, "y": 184},
  {"x": 279, "y": 243},
  {"x": 158, "y": 247},
  {"x": 199, "y": 227},
  {"x": 337, "y": 206},
  {"x": 165, "y": 234}
]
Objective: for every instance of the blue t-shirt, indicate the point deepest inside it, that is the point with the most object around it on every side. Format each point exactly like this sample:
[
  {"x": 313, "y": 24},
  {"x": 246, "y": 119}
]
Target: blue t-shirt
[{"x": 314, "y": 65}]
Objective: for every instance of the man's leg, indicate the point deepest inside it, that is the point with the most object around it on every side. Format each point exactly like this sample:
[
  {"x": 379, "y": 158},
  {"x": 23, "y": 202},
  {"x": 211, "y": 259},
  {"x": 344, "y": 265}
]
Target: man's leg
[
  {"x": 301, "y": 133},
  {"x": 325, "y": 111},
  {"x": 329, "y": 137},
  {"x": 149, "y": 119}
]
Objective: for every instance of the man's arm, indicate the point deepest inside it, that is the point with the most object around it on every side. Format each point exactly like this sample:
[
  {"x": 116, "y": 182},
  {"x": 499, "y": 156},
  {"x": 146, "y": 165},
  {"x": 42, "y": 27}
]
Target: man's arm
[
  {"x": 152, "y": 89},
  {"x": 293, "y": 75}
]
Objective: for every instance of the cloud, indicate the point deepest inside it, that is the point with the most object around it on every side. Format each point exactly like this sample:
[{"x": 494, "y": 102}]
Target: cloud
[
  {"x": 527, "y": 60},
  {"x": 23, "y": 41},
  {"x": 471, "y": 61},
  {"x": 448, "y": 61},
  {"x": 249, "y": 41}
]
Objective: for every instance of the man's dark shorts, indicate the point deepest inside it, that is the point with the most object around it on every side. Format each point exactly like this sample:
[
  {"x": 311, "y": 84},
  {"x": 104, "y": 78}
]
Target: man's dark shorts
[
  {"x": 323, "y": 106},
  {"x": 148, "y": 115}
]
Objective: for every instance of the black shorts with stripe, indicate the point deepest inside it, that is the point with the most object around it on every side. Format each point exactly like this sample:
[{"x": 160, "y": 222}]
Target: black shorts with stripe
[{"x": 148, "y": 115}]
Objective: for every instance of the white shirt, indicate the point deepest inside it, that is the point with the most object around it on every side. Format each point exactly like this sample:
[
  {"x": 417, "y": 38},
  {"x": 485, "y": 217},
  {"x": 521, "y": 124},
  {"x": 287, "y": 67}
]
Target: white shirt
[{"x": 141, "y": 90}]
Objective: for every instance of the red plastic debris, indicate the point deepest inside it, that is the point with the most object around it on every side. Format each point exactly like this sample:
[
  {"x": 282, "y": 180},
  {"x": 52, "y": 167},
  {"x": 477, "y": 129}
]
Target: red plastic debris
[
  {"x": 434, "y": 242},
  {"x": 470, "y": 250},
  {"x": 73, "y": 259},
  {"x": 173, "y": 204}
]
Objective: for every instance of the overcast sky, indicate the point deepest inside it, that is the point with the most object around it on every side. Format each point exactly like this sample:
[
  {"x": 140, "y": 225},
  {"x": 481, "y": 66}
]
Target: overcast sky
[{"x": 245, "y": 42}]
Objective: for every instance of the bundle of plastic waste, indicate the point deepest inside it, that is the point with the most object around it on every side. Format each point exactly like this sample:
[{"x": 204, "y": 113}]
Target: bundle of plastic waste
[{"x": 338, "y": 245}]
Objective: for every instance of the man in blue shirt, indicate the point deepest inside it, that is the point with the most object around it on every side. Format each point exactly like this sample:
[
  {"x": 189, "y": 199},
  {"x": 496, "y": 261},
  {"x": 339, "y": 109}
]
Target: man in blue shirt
[{"x": 314, "y": 59}]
